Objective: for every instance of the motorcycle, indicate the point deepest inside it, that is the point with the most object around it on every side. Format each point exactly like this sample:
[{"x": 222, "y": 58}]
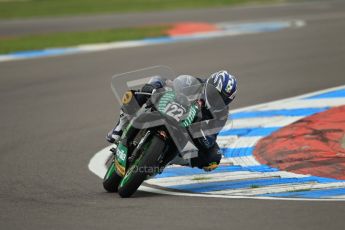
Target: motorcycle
[{"x": 157, "y": 133}]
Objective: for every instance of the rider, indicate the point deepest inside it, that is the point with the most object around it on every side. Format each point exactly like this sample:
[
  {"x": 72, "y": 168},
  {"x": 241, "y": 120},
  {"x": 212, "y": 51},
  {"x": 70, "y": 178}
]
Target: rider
[{"x": 218, "y": 84}]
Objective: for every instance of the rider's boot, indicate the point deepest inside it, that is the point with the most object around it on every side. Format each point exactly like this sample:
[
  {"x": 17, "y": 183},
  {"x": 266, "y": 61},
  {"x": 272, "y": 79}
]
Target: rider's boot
[{"x": 115, "y": 134}]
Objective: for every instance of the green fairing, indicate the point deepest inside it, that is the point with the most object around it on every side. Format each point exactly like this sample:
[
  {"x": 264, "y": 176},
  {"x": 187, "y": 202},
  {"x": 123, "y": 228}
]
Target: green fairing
[
  {"x": 191, "y": 115},
  {"x": 133, "y": 166},
  {"x": 121, "y": 155},
  {"x": 164, "y": 100},
  {"x": 129, "y": 172},
  {"x": 169, "y": 97},
  {"x": 125, "y": 131}
]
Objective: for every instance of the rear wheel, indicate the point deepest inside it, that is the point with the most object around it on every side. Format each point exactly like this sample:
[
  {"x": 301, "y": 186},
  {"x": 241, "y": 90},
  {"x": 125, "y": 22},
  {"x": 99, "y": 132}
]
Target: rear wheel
[
  {"x": 111, "y": 179},
  {"x": 141, "y": 168}
]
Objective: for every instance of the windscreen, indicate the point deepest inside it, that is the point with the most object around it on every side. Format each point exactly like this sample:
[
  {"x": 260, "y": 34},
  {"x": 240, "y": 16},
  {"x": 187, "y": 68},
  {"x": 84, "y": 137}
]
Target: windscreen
[{"x": 134, "y": 80}]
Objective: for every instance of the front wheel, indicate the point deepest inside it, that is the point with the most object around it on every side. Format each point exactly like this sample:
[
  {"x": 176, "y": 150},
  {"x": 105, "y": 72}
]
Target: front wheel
[
  {"x": 145, "y": 165},
  {"x": 111, "y": 179}
]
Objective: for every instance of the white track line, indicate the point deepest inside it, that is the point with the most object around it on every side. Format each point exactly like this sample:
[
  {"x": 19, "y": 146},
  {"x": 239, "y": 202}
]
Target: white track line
[
  {"x": 97, "y": 162},
  {"x": 242, "y": 161},
  {"x": 307, "y": 103},
  {"x": 279, "y": 188},
  {"x": 336, "y": 197},
  {"x": 276, "y": 121},
  {"x": 161, "y": 191},
  {"x": 219, "y": 177},
  {"x": 237, "y": 142}
]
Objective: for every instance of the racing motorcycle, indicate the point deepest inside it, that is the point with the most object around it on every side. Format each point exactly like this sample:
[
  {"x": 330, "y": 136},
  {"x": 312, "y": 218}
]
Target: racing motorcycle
[
  {"x": 154, "y": 136},
  {"x": 161, "y": 130}
]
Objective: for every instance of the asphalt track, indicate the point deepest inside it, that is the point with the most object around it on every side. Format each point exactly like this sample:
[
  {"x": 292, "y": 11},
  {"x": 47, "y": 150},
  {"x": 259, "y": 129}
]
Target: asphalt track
[{"x": 55, "y": 112}]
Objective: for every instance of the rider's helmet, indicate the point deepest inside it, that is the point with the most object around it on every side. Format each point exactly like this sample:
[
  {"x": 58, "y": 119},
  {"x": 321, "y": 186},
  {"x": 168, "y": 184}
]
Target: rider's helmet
[{"x": 223, "y": 84}]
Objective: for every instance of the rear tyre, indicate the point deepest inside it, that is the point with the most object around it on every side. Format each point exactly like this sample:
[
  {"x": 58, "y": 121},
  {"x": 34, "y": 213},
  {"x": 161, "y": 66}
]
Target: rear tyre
[
  {"x": 149, "y": 161},
  {"x": 111, "y": 179}
]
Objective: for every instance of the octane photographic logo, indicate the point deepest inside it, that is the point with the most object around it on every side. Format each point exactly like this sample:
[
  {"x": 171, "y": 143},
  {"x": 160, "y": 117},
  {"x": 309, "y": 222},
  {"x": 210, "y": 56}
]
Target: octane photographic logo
[
  {"x": 176, "y": 105},
  {"x": 148, "y": 170}
]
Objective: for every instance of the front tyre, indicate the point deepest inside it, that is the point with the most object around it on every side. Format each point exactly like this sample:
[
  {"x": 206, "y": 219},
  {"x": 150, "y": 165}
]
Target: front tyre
[
  {"x": 111, "y": 179},
  {"x": 139, "y": 171}
]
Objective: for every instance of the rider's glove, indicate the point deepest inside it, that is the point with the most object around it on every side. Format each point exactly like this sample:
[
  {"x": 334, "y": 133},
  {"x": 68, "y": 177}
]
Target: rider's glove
[{"x": 114, "y": 136}]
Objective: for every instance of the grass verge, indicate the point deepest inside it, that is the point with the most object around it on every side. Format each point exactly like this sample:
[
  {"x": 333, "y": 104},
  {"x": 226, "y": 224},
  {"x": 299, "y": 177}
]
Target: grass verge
[
  {"x": 56, "y": 40},
  {"x": 254, "y": 186},
  {"x": 301, "y": 190},
  {"x": 201, "y": 178},
  {"x": 39, "y": 8}
]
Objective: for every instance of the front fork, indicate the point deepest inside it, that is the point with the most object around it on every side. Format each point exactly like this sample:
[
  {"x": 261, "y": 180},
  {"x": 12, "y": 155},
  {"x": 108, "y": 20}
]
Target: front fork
[
  {"x": 131, "y": 150},
  {"x": 136, "y": 151}
]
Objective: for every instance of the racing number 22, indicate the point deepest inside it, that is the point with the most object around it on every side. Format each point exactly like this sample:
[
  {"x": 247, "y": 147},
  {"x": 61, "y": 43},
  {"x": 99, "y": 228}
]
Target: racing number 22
[{"x": 175, "y": 111}]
